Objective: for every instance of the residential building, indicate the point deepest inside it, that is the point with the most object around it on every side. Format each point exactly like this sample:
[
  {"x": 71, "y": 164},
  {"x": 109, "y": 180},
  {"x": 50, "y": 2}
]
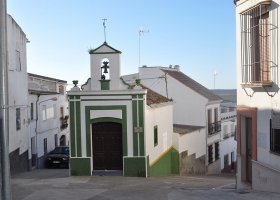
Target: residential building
[
  {"x": 114, "y": 126},
  {"x": 197, "y": 117},
  {"x": 38, "y": 107},
  {"x": 48, "y": 116},
  {"x": 228, "y": 137},
  {"x": 18, "y": 97},
  {"x": 258, "y": 99}
]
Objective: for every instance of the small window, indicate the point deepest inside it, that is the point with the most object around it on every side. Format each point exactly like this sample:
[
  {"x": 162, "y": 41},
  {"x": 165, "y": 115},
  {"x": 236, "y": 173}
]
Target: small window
[
  {"x": 226, "y": 160},
  {"x": 275, "y": 141},
  {"x": 232, "y": 157},
  {"x": 45, "y": 146},
  {"x": 18, "y": 120},
  {"x": 31, "y": 111},
  {"x": 216, "y": 115},
  {"x": 217, "y": 151},
  {"x": 18, "y": 61},
  {"x": 61, "y": 112},
  {"x": 155, "y": 135},
  {"x": 44, "y": 112}
]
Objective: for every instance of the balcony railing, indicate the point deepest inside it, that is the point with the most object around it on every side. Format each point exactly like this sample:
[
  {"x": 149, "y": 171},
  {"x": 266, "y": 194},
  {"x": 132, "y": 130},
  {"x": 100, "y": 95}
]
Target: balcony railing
[
  {"x": 64, "y": 122},
  {"x": 214, "y": 128}
]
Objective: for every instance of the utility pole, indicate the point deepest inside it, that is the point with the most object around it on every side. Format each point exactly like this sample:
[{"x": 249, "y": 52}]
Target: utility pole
[{"x": 4, "y": 126}]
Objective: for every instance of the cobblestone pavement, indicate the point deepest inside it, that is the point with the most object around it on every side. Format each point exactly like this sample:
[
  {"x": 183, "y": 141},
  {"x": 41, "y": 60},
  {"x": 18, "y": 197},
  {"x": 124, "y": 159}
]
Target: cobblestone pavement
[{"x": 52, "y": 184}]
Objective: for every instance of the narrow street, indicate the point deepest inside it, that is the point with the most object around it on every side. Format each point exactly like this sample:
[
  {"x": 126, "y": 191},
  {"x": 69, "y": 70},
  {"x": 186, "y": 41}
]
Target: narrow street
[{"x": 50, "y": 184}]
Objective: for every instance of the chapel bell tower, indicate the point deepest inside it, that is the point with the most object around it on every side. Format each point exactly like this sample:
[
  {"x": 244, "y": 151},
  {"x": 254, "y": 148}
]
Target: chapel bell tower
[{"x": 105, "y": 68}]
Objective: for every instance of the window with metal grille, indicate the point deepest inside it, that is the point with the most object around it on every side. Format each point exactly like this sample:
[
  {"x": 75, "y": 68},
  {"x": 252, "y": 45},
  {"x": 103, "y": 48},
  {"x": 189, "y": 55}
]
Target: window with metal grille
[
  {"x": 18, "y": 119},
  {"x": 259, "y": 45},
  {"x": 217, "y": 151},
  {"x": 275, "y": 136}
]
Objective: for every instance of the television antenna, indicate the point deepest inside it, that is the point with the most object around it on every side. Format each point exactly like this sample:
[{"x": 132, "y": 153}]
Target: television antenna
[{"x": 141, "y": 32}]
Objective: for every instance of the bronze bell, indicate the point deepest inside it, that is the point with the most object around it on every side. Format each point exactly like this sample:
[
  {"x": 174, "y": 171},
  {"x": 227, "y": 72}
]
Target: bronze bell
[{"x": 105, "y": 67}]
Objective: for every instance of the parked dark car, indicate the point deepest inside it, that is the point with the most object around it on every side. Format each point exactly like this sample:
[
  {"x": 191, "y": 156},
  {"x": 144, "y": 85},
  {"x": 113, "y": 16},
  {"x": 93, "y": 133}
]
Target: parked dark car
[{"x": 59, "y": 157}]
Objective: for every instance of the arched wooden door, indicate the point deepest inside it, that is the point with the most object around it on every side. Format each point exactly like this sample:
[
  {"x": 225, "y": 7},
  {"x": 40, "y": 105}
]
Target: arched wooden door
[{"x": 107, "y": 146}]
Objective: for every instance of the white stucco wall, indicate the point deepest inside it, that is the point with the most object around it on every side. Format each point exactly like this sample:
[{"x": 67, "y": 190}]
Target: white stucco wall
[
  {"x": 161, "y": 117},
  {"x": 189, "y": 107},
  {"x": 48, "y": 128},
  {"x": 227, "y": 146},
  {"x": 193, "y": 142},
  {"x": 259, "y": 97},
  {"x": 17, "y": 86}
]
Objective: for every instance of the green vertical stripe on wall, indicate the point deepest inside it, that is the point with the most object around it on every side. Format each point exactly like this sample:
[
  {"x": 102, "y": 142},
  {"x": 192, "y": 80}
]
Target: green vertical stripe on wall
[
  {"x": 134, "y": 119},
  {"x": 72, "y": 130},
  {"x": 141, "y": 124},
  {"x": 88, "y": 132},
  {"x": 78, "y": 128}
]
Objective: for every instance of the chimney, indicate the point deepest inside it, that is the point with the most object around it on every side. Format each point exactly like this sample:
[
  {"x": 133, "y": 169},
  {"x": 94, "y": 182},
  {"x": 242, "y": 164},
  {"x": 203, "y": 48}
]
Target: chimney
[{"x": 177, "y": 67}]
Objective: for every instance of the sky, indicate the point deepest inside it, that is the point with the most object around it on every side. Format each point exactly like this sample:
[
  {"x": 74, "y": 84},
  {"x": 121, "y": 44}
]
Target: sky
[{"x": 199, "y": 36}]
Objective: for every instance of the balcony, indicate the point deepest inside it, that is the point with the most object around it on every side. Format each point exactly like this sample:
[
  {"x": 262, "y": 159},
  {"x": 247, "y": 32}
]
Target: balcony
[
  {"x": 214, "y": 128},
  {"x": 64, "y": 122}
]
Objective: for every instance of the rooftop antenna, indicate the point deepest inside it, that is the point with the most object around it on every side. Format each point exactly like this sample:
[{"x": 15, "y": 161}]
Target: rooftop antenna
[
  {"x": 104, "y": 26},
  {"x": 215, "y": 74},
  {"x": 141, "y": 32}
]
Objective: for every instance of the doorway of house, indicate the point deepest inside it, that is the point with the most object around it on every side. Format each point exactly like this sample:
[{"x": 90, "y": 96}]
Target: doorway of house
[
  {"x": 248, "y": 149},
  {"x": 107, "y": 146}
]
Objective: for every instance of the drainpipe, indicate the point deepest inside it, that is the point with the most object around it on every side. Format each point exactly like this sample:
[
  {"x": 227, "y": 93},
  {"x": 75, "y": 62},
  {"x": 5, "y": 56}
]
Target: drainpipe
[{"x": 4, "y": 120}]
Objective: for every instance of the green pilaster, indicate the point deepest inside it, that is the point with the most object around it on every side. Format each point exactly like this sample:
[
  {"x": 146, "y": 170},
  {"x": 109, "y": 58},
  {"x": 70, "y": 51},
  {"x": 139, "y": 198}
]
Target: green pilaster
[
  {"x": 134, "y": 121},
  {"x": 138, "y": 121},
  {"x": 141, "y": 124},
  {"x": 78, "y": 128},
  {"x": 72, "y": 130}
]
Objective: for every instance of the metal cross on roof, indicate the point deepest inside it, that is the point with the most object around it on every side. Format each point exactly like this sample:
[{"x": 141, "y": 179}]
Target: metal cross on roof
[{"x": 104, "y": 25}]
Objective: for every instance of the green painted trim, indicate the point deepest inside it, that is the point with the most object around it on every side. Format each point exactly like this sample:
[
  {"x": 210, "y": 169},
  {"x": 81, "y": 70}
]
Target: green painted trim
[
  {"x": 134, "y": 122},
  {"x": 128, "y": 94},
  {"x": 134, "y": 166},
  {"x": 168, "y": 164},
  {"x": 138, "y": 121},
  {"x": 80, "y": 167},
  {"x": 93, "y": 51},
  {"x": 106, "y": 119},
  {"x": 105, "y": 84},
  {"x": 78, "y": 128},
  {"x": 72, "y": 129},
  {"x": 141, "y": 124},
  {"x": 89, "y": 122},
  {"x": 106, "y": 99}
]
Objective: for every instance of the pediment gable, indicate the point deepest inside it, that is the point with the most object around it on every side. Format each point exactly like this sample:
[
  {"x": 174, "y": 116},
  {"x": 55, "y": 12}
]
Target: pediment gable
[{"x": 104, "y": 49}]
